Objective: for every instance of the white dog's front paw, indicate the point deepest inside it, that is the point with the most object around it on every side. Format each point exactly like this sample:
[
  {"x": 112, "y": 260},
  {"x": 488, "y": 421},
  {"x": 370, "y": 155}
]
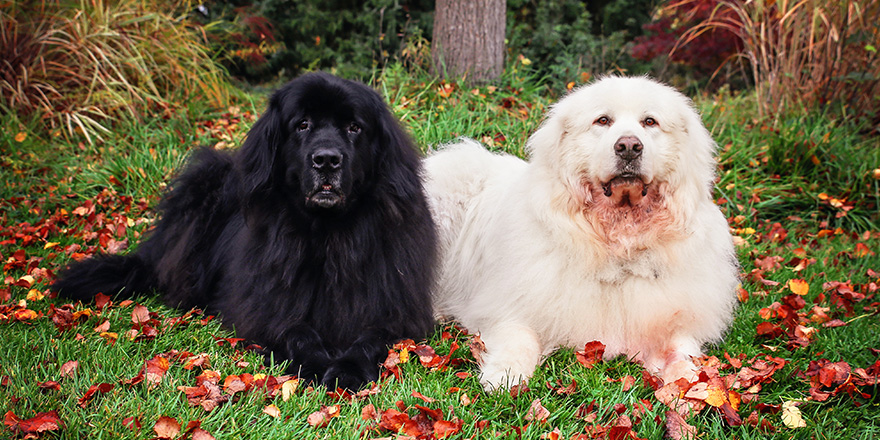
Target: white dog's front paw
[
  {"x": 493, "y": 378},
  {"x": 512, "y": 353}
]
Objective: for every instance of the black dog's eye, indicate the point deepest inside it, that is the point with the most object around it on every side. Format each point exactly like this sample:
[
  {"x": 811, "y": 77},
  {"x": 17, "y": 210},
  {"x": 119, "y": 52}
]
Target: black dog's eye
[
  {"x": 303, "y": 125},
  {"x": 602, "y": 120},
  {"x": 650, "y": 122},
  {"x": 353, "y": 128}
]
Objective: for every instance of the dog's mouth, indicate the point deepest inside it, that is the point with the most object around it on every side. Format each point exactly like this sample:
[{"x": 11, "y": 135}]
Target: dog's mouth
[
  {"x": 325, "y": 196},
  {"x": 625, "y": 189}
]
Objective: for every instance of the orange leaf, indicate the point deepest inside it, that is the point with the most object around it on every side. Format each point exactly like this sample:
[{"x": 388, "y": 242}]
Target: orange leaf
[
  {"x": 798, "y": 286},
  {"x": 20, "y": 136}
]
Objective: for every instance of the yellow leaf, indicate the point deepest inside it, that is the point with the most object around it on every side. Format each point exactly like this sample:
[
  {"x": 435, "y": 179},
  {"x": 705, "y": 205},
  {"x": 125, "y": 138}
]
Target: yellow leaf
[
  {"x": 50, "y": 244},
  {"x": 34, "y": 295},
  {"x": 288, "y": 388},
  {"x": 791, "y": 415},
  {"x": 21, "y": 136},
  {"x": 404, "y": 356},
  {"x": 798, "y": 286},
  {"x": 716, "y": 397}
]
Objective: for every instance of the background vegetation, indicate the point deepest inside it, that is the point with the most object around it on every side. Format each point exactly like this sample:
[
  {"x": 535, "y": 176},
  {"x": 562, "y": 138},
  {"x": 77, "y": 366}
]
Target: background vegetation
[{"x": 102, "y": 101}]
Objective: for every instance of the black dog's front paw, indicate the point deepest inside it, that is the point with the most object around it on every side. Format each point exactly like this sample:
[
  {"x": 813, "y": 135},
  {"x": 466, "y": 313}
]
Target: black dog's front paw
[{"x": 349, "y": 375}]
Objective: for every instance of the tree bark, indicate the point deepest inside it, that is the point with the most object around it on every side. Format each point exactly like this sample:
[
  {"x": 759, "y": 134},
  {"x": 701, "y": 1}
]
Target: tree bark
[{"x": 468, "y": 39}]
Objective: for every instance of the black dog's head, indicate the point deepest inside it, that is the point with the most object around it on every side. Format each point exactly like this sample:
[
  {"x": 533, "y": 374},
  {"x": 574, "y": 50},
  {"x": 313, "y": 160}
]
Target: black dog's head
[{"x": 323, "y": 143}]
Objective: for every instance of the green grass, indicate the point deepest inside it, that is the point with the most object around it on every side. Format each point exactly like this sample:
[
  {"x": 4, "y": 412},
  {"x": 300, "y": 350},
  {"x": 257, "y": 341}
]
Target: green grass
[{"x": 42, "y": 177}]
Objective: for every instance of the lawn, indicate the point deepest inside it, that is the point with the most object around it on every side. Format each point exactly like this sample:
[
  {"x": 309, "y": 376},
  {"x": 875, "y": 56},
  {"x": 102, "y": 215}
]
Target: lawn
[{"x": 799, "y": 362}]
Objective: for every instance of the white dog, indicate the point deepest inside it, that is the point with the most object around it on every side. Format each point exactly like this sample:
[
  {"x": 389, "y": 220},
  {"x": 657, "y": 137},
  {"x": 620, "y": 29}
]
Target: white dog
[{"x": 609, "y": 233}]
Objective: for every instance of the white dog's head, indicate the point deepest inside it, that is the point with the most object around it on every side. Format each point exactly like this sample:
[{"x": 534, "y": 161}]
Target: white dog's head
[{"x": 625, "y": 148}]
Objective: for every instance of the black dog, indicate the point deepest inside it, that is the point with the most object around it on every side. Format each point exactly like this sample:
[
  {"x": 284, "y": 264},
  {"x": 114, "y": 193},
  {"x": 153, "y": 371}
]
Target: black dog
[{"x": 314, "y": 239}]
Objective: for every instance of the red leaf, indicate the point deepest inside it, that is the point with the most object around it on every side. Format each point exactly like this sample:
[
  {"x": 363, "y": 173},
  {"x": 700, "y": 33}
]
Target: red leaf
[
  {"x": 591, "y": 354},
  {"x": 435, "y": 414},
  {"x": 445, "y": 428},
  {"x": 44, "y": 421},
  {"x": 419, "y": 395},
  {"x": 50, "y": 385},
  {"x": 102, "y": 388}
]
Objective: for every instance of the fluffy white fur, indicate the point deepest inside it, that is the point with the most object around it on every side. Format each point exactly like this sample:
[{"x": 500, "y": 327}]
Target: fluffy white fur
[{"x": 562, "y": 250}]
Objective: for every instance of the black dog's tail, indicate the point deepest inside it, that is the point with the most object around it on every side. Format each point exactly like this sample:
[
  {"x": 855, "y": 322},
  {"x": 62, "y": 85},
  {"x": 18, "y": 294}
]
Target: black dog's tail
[{"x": 113, "y": 275}]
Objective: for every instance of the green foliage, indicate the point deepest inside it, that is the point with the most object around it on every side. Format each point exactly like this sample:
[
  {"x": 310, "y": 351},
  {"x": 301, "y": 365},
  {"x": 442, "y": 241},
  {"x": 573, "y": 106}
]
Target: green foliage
[
  {"x": 560, "y": 39},
  {"x": 77, "y": 66},
  {"x": 350, "y": 38}
]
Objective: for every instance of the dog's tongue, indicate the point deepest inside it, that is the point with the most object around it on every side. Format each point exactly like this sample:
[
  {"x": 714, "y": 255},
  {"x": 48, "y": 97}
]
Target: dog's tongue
[{"x": 625, "y": 190}]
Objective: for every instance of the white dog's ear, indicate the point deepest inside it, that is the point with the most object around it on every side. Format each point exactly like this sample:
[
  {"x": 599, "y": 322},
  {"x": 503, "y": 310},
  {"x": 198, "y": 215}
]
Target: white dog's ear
[{"x": 544, "y": 143}]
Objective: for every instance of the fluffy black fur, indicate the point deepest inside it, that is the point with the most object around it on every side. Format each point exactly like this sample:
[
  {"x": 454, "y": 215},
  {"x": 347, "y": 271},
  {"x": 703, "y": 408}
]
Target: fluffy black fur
[{"x": 314, "y": 239}]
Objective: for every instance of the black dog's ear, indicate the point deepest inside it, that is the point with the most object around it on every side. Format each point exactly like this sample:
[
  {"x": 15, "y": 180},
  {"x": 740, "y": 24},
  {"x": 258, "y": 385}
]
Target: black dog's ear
[
  {"x": 399, "y": 161},
  {"x": 256, "y": 158}
]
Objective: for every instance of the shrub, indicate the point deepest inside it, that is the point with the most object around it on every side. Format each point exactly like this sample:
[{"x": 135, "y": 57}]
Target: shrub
[
  {"x": 75, "y": 66},
  {"x": 350, "y": 38},
  {"x": 805, "y": 54},
  {"x": 702, "y": 56}
]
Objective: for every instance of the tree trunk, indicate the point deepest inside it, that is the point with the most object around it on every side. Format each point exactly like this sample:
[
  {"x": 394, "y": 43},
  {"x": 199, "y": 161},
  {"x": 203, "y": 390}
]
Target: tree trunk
[{"x": 468, "y": 39}]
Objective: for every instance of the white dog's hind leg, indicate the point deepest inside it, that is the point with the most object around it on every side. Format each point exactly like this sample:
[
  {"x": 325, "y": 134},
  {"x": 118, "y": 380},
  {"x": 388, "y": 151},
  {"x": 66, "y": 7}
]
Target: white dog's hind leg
[{"x": 512, "y": 353}]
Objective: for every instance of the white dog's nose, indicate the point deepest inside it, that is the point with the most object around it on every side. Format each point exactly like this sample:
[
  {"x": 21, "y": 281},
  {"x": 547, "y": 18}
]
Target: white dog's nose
[{"x": 628, "y": 148}]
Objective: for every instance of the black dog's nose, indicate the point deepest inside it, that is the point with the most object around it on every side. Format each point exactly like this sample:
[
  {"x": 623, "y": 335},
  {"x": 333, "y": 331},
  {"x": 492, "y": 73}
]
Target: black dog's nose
[
  {"x": 628, "y": 148},
  {"x": 326, "y": 158}
]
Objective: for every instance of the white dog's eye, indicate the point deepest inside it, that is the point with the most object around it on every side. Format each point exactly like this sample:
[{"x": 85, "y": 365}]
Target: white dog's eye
[
  {"x": 650, "y": 122},
  {"x": 602, "y": 120}
]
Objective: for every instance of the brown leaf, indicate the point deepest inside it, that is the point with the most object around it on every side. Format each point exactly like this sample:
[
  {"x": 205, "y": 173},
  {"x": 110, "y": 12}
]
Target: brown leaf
[
  {"x": 537, "y": 411},
  {"x": 321, "y": 418},
  {"x": 49, "y": 385},
  {"x": 201, "y": 434},
  {"x": 677, "y": 428},
  {"x": 140, "y": 314},
  {"x": 166, "y": 427}
]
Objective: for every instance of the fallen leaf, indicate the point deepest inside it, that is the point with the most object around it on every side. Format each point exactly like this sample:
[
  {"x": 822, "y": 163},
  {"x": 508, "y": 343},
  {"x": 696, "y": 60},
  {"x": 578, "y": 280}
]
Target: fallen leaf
[
  {"x": 42, "y": 422},
  {"x": 69, "y": 368},
  {"x": 166, "y": 427},
  {"x": 272, "y": 410},
  {"x": 288, "y": 388},
  {"x": 591, "y": 354},
  {"x": 102, "y": 388},
  {"x": 537, "y": 411},
  {"x": 677, "y": 428},
  {"x": 791, "y": 415},
  {"x": 798, "y": 286},
  {"x": 321, "y": 418}
]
